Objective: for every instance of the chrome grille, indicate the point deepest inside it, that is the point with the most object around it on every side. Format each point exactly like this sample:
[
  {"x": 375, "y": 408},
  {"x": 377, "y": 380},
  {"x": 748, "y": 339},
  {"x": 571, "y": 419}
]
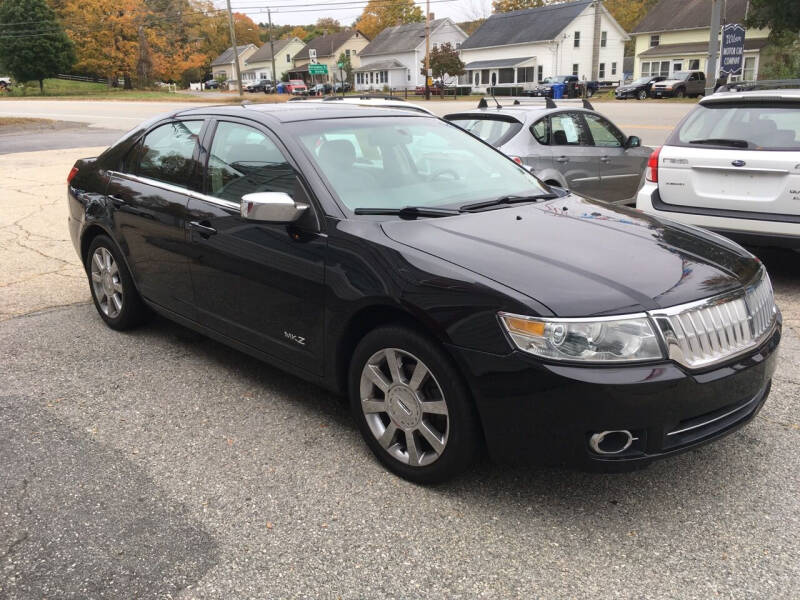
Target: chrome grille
[{"x": 710, "y": 331}]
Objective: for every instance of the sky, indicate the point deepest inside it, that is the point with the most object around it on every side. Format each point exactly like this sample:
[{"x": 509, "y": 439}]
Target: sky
[{"x": 300, "y": 12}]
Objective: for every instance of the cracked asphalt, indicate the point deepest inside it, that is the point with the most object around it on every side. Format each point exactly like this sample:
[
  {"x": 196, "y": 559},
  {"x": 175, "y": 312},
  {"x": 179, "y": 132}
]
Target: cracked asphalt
[{"x": 160, "y": 464}]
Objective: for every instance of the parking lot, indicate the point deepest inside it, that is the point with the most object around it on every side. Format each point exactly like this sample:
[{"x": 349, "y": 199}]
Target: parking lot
[{"x": 160, "y": 464}]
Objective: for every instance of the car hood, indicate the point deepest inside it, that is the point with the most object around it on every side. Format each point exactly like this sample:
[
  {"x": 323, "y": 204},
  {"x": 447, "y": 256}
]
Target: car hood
[
  {"x": 668, "y": 82},
  {"x": 581, "y": 257}
]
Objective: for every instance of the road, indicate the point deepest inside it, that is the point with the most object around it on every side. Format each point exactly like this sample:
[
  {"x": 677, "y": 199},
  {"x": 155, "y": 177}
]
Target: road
[
  {"x": 160, "y": 464},
  {"x": 650, "y": 120}
]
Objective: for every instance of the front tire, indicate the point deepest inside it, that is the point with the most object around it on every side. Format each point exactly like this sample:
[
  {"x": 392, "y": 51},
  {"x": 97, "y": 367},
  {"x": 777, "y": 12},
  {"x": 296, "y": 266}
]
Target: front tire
[
  {"x": 412, "y": 406},
  {"x": 114, "y": 294},
  {"x": 680, "y": 93}
]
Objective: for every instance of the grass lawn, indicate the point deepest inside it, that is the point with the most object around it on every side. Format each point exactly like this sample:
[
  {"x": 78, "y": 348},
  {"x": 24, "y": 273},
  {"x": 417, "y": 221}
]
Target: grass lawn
[{"x": 17, "y": 121}]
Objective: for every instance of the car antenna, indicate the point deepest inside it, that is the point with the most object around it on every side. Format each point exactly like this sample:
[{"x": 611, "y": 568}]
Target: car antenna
[
  {"x": 482, "y": 103},
  {"x": 495, "y": 99},
  {"x": 549, "y": 103},
  {"x": 587, "y": 105}
]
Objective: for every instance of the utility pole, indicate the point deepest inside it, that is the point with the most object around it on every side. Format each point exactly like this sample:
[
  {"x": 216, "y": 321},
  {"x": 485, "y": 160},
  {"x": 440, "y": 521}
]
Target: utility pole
[
  {"x": 427, "y": 48},
  {"x": 272, "y": 51},
  {"x": 235, "y": 49},
  {"x": 713, "y": 46}
]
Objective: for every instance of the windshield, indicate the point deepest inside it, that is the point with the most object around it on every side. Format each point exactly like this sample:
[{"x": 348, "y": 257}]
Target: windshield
[
  {"x": 493, "y": 131},
  {"x": 556, "y": 79},
  {"x": 680, "y": 74},
  {"x": 640, "y": 81},
  {"x": 414, "y": 161},
  {"x": 763, "y": 127}
]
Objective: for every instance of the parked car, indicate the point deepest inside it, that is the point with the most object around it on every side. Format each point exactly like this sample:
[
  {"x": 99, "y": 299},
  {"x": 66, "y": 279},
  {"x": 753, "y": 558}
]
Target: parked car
[
  {"x": 574, "y": 87},
  {"x": 211, "y": 84},
  {"x": 573, "y": 148},
  {"x": 639, "y": 88},
  {"x": 337, "y": 88},
  {"x": 320, "y": 89},
  {"x": 261, "y": 85},
  {"x": 297, "y": 87},
  {"x": 732, "y": 165},
  {"x": 456, "y": 306},
  {"x": 680, "y": 85}
]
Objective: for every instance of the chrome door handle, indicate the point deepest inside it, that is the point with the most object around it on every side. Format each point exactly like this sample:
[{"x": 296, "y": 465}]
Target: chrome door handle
[
  {"x": 203, "y": 230},
  {"x": 562, "y": 159},
  {"x": 604, "y": 159}
]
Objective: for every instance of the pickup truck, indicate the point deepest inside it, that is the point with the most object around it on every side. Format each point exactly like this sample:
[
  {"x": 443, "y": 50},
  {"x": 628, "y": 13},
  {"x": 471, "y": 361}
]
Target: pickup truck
[
  {"x": 680, "y": 85},
  {"x": 574, "y": 87}
]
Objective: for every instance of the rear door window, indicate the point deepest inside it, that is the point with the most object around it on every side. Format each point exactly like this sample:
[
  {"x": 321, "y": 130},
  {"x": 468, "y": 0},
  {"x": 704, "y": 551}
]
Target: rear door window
[
  {"x": 569, "y": 129},
  {"x": 167, "y": 152}
]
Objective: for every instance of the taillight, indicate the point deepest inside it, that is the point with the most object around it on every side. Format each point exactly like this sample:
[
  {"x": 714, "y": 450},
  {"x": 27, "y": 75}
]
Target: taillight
[
  {"x": 517, "y": 159},
  {"x": 72, "y": 174},
  {"x": 651, "y": 174}
]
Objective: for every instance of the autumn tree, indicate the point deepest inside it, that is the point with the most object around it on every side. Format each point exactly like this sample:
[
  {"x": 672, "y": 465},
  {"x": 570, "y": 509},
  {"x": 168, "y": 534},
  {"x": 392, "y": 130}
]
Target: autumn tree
[
  {"x": 444, "y": 60},
  {"x": 33, "y": 45},
  {"x": 298, "y": 32},
  {"x": 327, "y": 25},
  {"x": 509, "y": 5},
  {"x": 379, "y": 14}
]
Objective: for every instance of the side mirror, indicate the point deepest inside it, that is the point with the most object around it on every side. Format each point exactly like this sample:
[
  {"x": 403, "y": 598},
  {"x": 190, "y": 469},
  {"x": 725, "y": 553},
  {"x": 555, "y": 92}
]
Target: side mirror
[
  {"x": 272, "y": 207},
  {"x": 633, "y": 142}
]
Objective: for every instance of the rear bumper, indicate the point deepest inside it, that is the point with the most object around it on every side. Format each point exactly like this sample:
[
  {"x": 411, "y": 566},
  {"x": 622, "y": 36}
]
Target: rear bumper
[
  {"x": 757, "y": 229},
  {"x": 545, "y": 413}
]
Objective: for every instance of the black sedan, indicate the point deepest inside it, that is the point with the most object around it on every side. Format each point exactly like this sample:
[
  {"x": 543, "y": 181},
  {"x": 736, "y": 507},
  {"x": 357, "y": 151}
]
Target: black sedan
[
  {"x": 458, "y": 301},
  {"x": 638, "y": 88}
]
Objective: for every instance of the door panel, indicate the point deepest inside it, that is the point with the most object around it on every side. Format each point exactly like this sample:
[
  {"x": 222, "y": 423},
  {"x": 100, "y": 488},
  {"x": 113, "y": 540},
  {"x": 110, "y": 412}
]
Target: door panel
[
  {"x": 260, "y": 283},
  {"x": 150, "y": 213},
  {"x": 620, "y": 169},
  {"x": 573, "y": 154}
]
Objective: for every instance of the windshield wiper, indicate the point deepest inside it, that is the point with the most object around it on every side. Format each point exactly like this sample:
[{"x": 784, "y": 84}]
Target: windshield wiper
[
  {"x": 408, "y": 212},
  {"x": 722, "y": 142},
  {"x": 506, "y": 200}
]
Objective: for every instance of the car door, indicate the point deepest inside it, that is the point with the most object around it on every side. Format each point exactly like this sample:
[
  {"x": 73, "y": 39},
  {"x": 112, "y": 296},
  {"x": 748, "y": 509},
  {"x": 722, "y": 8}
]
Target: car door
[
  {"x": 572, "y": 153},
  {"x": 150, "y": 195},
  {"x": 620, "y": 168},
  {"x": 540, "y": 153},
  {"x": 261, "y": 284}
]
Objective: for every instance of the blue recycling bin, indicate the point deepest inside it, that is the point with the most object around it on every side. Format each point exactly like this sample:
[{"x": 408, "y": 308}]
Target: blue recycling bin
[
  {"x": 558, "y": 91},
  {"x": 281, "y": 88}
]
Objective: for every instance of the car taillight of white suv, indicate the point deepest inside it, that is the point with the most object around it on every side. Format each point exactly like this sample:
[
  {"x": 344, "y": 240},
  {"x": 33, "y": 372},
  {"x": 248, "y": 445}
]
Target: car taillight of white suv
[{"x": 732, "y": 165}]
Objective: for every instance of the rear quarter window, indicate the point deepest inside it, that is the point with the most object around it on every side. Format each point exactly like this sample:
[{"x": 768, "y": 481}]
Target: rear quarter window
[{"x": 491, "y": 130}]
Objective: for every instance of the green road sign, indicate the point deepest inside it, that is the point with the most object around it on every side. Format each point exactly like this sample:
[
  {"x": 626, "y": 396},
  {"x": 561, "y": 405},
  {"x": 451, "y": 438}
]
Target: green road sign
[
  {"x": 340, "y": 65},
  {"x": 318, "y": 69}
]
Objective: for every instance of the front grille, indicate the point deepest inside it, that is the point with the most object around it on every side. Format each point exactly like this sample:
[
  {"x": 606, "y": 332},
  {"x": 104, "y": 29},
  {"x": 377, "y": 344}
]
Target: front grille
[{"x": 710, "y": 331}]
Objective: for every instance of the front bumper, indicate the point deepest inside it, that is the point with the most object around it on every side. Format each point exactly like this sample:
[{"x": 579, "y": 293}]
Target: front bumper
[
  {"x": 546, "y": 413},
  {"x": 656, "y": 93}
]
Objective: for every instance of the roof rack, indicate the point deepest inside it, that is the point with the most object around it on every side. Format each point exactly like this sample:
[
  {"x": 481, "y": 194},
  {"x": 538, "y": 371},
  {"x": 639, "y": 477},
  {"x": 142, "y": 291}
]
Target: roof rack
[
  {"x": 548, "y": 102},
  {"x": 763, "y": 84}
]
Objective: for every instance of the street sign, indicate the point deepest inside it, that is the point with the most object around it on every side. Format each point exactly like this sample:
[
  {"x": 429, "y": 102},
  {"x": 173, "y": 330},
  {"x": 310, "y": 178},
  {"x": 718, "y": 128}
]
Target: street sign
[
  {"x": 312, "y": 55},
  {"x": 731, "y": 55},
  {"x": 340, "y": 65},
  {"x": 318, "y": 69}
]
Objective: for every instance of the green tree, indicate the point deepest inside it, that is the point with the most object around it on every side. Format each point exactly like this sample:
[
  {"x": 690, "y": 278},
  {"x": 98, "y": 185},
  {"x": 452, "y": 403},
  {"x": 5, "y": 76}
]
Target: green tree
[
  {"x": 346, "y": 67},
  {"x": 509, "y": 5},
  {"x": 445, "y": 61},
  {"x": 33, "y": 45},
  {"x": 780, "y": 16},
  {"x": 379, "y": 14}
]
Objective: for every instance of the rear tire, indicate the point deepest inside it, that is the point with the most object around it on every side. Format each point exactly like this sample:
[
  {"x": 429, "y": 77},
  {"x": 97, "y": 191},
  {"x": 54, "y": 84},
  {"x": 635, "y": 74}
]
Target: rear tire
[
  {"x": 114, "y": 294},
  {"x": 641, "y": 95},
  {"x": 412, "y": 406}
]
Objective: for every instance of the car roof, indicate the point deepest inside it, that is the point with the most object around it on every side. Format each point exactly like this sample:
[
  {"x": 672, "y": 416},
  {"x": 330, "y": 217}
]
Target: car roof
[
  {"x": 356, "y": 101},
  {"x": 519, "y": 112},
  {"x": 300, "y": 111},
  {"x": 774, "y": 94}
]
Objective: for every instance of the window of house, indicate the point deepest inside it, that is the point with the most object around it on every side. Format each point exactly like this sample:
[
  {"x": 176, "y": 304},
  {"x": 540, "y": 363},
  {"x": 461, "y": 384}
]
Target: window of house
[
  {"x": 347, "y": 52},
  {"x": 525, "y": 74},
  {"x": 485, "y": 76},
  {"x": 663, "y": 70},
  {"x": 244, "y": 161},
  {"x": 575, "y": 69},
  {"x": 167, "y": 152},
  {"x": 655, "y": 40},
  {"x": 576, "y": 40},
  {"x": 694, "y": 64},
  {"x": 477, "y": 80},
  {"x": 353, "y": 52},
  {"x": 645, "y": 69},
  {"x": 603, "y": 39},
  {"x": 539, "y": 73},
  {"x": 613, "y": 68},
  {"x": 602, "y": 71},
  {"x": 506, "y": 75},
  {"x": 749, "y": 70}
]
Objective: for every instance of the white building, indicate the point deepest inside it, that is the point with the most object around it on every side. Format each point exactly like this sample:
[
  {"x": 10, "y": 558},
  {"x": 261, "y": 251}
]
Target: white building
[
  {"x": 224, "y": 65},
  {"x": 394, "y": 58},
  {"x": 522, "y": 47},
  {"x": 259, "y": 64}
]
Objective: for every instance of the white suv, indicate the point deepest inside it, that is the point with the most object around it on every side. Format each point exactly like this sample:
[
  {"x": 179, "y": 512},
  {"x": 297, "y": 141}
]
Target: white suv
[{"x": 732, "y": 165}]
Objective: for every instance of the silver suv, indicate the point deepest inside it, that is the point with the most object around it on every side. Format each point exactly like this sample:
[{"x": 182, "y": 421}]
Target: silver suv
[
  {"x": 571, "y": 147},
  {"x": 680, "y": 85}
]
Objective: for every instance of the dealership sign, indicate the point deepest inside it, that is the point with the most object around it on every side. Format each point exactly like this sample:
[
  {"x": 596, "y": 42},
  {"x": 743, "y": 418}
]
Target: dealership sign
[{"x": 732, "y": 49}]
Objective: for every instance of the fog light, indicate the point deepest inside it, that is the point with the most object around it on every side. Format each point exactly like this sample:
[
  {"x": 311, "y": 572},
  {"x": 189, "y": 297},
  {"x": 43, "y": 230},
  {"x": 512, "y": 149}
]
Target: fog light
[{"x": 611, "y": 442}]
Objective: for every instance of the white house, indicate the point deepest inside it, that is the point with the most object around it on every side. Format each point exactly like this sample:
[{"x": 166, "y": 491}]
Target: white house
[
  {"x": 259, "y": 64},
  {"x": 394, "y": 58},
  {"x": 522, "y": 47},
  {"x": 223, "y": 65}
]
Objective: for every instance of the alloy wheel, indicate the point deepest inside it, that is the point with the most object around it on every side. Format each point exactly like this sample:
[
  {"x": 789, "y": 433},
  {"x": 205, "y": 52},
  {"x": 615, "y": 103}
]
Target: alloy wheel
[
  {"x": 404, "y": 407},
  {"x": 106, "y": 282},
  {"x": 642, "y": 94}
]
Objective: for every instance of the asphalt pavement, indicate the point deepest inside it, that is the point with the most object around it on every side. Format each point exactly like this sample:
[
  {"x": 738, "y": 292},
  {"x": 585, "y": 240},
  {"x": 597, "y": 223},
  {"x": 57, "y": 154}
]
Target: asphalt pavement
[{"x": 160, "y": 464}]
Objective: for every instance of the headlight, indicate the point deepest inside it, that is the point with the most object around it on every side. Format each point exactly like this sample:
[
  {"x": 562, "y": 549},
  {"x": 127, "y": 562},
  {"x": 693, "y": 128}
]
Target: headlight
[{"x": 600, "y": 340}]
